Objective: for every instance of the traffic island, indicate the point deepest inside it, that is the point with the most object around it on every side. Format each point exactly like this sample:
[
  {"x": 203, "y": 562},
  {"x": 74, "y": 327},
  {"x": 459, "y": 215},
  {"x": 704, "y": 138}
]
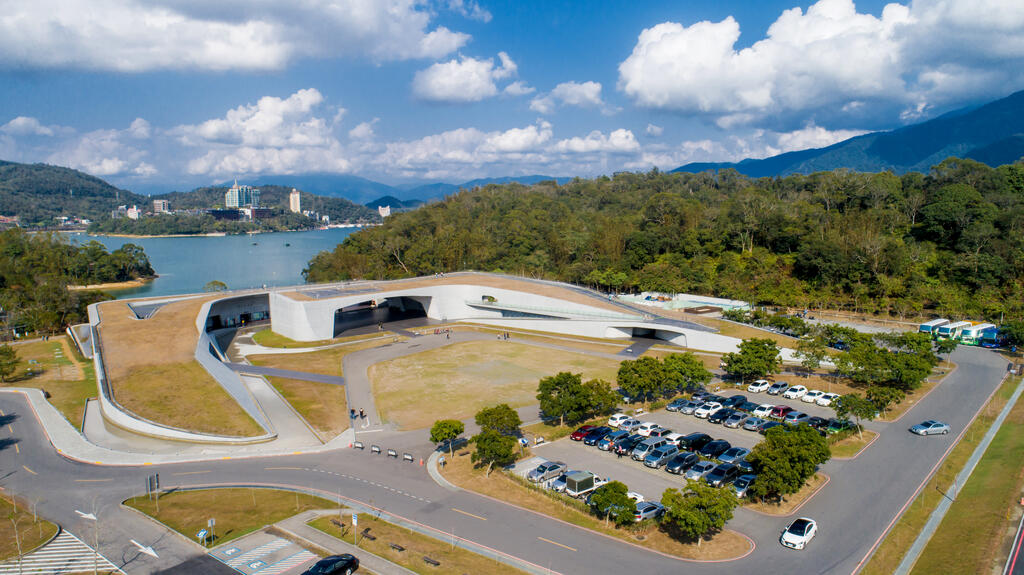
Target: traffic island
[
  {"x": 21, "y": 530},
  {"x": 852, "y": 445},
  {"x": 791, "y": 503}
]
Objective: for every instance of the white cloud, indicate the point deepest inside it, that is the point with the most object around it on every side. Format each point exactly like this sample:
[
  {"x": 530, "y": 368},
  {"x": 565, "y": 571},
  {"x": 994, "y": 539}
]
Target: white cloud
[
  {"x": 26, "y": 126},
  {"x": 140, "y": 129},
  {"x": 518, "y": 88},
  {"x": 829, "y": 57},
  {"x": 469, "y": 9},
  {"x": 543, "y": 104},
  {"x": 103, "y": 152},
  {"x": 363, "y": 131},
  {"x": 811, "y": 136},
  {"x": 653, "y": 130},
  {"x": 519, "y": 139},
  {"x": 581, "y": 94},
  {"x": 462, "y": 80},
  {"x": 140, "y": 35},
  {"x": 619, "y": 141}
]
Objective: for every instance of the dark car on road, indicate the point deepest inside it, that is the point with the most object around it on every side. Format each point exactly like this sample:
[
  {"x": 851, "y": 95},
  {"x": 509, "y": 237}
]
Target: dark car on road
[
  {"x": 720, "y": 415},
  {"x": 596, "y": 434},
  {"x": 580, "y": 433},
  {"x": 734, "y": 400},
  {"x": 681, "y": 462},
  {"x": 625, "y": 445},
  {"x": 837, "y": 425},
  {"x": 748, "y": 406},
  {"x": 819, "y": 423},
  {"x": 724, "y": 474},
  {"x": 346, "y": 563},
  {"x": 694, "y": 441},
  {"x": 715, "y": 448}
]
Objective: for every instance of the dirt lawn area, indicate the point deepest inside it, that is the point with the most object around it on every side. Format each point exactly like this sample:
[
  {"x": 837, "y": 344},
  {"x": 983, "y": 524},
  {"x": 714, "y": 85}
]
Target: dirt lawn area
[
  {"x": 323, "y": 361},
  {"x": 55, "y": 367},
  {"x": 322, "y": 405},
  {"x": 458, "y": 380},
  {"x": 31, "y": 533}
]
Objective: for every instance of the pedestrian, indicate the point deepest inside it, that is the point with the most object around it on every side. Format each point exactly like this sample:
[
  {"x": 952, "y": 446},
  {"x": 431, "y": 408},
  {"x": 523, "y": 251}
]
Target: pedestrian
[
  {"x": 618, "y": 453},
  {"x": 441, "y": 461},
  {"x": 448, "y": 335},
  {"x": 352, "y": 414},
  {"x": 362, "y": 414}
]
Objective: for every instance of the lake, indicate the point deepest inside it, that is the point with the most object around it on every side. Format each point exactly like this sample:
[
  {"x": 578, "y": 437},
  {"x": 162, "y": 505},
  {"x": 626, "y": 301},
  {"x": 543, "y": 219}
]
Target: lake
[{"x": 185, "y": 265}]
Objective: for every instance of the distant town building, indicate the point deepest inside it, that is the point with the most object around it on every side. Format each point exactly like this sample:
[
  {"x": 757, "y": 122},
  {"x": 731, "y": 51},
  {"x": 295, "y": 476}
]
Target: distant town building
[
  {"x": 384, "y": 211},
  {"x": 252, "y": 213},
  {"x": 120, "y": 212},
  {"x": 133, "y": 213},
  {"x": 161, "y": 206},
  {"x": 295, "y": 201},
  {"x": 241, "y": 196},
  {"x": 230, "y": 215}
]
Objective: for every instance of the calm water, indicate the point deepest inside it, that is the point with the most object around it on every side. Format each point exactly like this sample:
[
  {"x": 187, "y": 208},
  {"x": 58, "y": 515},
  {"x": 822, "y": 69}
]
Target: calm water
[{"x": 185, "y": 265}]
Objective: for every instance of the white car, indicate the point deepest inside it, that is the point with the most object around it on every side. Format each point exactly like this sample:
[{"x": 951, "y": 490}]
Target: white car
[
  {"x": 763, "y": 410},
  {"x": 707, "y": 409},
  {"x": 812, "y": 396},
  {"x": 799, "y": 533},
  {"x": 616, "y": 419},
  {"x": 826, "y": 399},
  {"x": 759, "y": 386},
  {"x": 795, "y": 392},
  {"x": 646, "y": 428},
  {"x": 636, "y": 497}
]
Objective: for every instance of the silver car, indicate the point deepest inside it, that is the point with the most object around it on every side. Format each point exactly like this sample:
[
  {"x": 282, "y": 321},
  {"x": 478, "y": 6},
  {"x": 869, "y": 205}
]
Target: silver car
[
  {"x": 734, "y": 454},
  {"x": 558, "y": 485},
  {"x": 661, "y": 456},
  {"x": 546, "y": 470},
  {"x": 930, "y": 427},
  {"x": 690, "y": 406},
  {"x": 629, "y": 424},
  {"x": 752, "y": 423},
  {"x": 699, "y": 470},
  {"x": 735, "y": 420}
]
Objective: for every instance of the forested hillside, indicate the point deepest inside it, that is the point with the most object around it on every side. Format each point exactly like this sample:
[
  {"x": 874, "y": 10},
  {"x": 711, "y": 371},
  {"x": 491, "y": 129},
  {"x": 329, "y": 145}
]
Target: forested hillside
[
  {"x": 947, "y": 242},
  {"x": 38, "y": 193}
]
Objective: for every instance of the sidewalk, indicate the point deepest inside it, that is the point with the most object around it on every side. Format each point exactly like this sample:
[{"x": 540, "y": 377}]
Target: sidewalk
[{"x": 295, "y": 526}]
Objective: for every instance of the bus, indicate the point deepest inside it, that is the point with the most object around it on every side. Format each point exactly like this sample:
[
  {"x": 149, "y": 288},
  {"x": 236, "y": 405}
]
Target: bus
[
  {"x": 952, "y": 330},
  {"x": 974, "y": 334},
  {"x": 931, "y": 326}
]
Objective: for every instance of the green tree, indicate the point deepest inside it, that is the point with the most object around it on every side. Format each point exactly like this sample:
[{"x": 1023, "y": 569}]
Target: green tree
[
  {"x": 698, "y": 511},
  {"x": 447, "y": 430},
  {"x": 683, "y": 369},
  {"x": 785, "y": 460},
  {"x": 610, "y": 501},
  {"x": 946, "y": 347},
  {"x": 8, "y": 362},
  {"x": 602, "y": 398},
  {"x": 501, "y": 418},
  {"x": 755, "y": 359},
  {"x": 493, "y": 448},
  {"x": 644, "y": 378},
  {"x": 883, "y": 397},
  {"x": 811, "y": 351},
  {"x": 856, "y": 407},
  {"x": 215, "y": 285},
  {"x": 1013, "y": 331}
]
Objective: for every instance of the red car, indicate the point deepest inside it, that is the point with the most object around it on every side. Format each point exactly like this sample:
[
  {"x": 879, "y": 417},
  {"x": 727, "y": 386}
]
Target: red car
[
  {"x": 780, "y": 411},
  {"x": 580, "y": 433}
]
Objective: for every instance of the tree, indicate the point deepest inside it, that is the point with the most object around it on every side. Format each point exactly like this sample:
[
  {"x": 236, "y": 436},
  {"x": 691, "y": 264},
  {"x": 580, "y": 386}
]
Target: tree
[
  {"x": 857, "y": 407},
  {"x": 1013, "y": 331},
  {"x": 8, "y": 362},
  {"x": 698, "y": 511},
  {"x": 610, "y": 501},
  {"x": 501, "y": 418},
  {"x": 883, "y": 397},
  {"x": 946, "y": 347},
  {"x": 644, "y": 377},
  {"x": 447, "y": 430},
  {"x": 812, "y": 352},
  {"x": 493, "y": 448},
  {"x": 683, "y": 369},
  {"x": 215, "y": 285},
  {"x": 602, "y": 398},
  {"x": 786, "y": 459},
  {"x": 567, "y": 397},
  {"x": 756, "y": 358}
]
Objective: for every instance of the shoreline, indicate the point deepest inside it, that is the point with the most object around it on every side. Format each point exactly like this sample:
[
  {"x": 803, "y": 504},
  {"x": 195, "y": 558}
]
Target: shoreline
[
  {"x": 224, "y": 234},
  {"x": 114, "y": 285}
]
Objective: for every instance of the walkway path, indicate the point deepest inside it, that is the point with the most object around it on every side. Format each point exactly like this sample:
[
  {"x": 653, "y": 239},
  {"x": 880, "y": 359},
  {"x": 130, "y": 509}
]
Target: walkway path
[
  {"x": 290, "y": 374},
  {"x": 297, "y": 527}
]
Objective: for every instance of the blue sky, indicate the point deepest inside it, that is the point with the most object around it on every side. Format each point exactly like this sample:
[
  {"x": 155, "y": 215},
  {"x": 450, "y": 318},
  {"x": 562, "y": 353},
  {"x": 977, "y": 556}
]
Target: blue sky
[{"x": 171, "y": 94}]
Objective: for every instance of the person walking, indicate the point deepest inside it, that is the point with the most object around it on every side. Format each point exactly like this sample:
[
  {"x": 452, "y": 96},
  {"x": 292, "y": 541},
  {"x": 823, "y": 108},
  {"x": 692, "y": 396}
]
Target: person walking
[{"x": 362, "y": 414}]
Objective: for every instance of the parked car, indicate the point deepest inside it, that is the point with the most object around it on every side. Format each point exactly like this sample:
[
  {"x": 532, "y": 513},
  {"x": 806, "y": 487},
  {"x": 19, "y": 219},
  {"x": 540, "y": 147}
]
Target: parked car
[
  {"x": 799, "y": 533},
  {"x": 648, "y": 510},
  {"x": 838, "y": 425},
  {"x": 742, "y": 484},
  {"x": 617, "y": 418},
  {"x": 699, "y": 395},
  {"x": 558, "y": 484},
  {"x": 694, "y": 441},
  {"x": 608, "y": 440},
  {"x": 826, "y": 399},
  {"x": 930, "y": 427},
  {"x": 781, "y": 411},
  {"x": 795, "y": 392},
  {"x": 722, "y": 474},
  {"x": 759, "y": 385},
  {"x": 625, "y": 446},
  {"x": 753, "y": 423},
  {"x": 763, "y": 410},
  {"x": 734, "y": 454},
  {"x": 690, "y": 406},
  {"x": 735, "y": 420},
  {"x": 819, "y": 423},
  {"x": 596, "y": 434},
  {"x": 660, "y": 456},
  {"x": 699, "y": 470},
  {"x": 734, "y": 400},
  {"x": 673, "y": 437},
  {"x": 345, "y": 563},
  {"x": 768, "y": 425},
  {"x": 777, "y": 388},
  {"x": 645, "y": 428},
  {"x": 681, "y": 462},
  {"x": 546, "y": 470},
  {"x": 745, "y": 466},
  {"x": 747, "y": 406},
  {"x": 580, "y": 433},
  {"x": 795, "y": 418},
  {"x": 720, "y": 415},
  {"x": 812, "y": 396},
  {"x": 707, "y": 409},
  {"x": 646, "y": 446},
  {"x": 715, "y": 448},
  {"x": 660, "y": 432},
  {"x": 629, "y": 424},
  {"x": 676, "y": 404}
]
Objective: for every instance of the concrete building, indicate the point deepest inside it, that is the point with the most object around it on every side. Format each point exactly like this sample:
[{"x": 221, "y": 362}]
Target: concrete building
[
  {"x": 161, "y": 206},
  {"x": 133, "y": 213},
  {"x": 384, "y": 211},
  {"x": 240, "y": 196},
  {"x": 295, "y": 201}
]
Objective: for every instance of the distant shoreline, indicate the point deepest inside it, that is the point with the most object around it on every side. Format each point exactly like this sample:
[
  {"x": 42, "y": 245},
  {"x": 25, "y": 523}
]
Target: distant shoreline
[
  {"x": 222, "y": 234},
  {"x": 114, "y": 285}
]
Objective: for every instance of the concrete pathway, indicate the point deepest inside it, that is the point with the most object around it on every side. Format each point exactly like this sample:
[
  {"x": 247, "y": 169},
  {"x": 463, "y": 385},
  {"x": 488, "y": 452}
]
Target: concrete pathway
[
  {"x": 296, "y": 527},
  {"x": 289, "y": 373}
]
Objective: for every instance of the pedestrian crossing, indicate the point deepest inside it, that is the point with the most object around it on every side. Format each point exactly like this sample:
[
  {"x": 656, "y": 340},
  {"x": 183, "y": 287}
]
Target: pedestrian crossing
[
  {"x": 65, "y": 554},
  {"x": 286, "y": 563},
  {"x": 265, "y": 549}
]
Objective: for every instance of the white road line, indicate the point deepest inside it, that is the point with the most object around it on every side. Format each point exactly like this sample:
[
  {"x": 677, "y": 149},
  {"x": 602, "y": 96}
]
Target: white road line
[
  {"x": 65, "y": 554},
  {"x": 258, "y": 552},
  {"x": 286, "y": 563}
]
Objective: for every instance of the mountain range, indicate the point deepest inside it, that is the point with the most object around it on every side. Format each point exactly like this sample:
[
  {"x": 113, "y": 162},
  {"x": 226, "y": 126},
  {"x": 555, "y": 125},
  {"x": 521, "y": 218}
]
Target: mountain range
[{"x": 992, "y": 134}]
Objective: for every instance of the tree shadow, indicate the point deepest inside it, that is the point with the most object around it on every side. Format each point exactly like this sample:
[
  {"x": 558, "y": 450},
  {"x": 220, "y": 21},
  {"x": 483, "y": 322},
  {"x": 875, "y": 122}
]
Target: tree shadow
[
  {"x": 7, "y": 442},
  {"x": 8, "y": 419}
]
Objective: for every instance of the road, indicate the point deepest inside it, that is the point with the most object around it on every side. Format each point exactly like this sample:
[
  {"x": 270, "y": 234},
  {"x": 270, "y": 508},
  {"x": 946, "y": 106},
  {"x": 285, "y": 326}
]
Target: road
[{"x": 853, "y": 510}]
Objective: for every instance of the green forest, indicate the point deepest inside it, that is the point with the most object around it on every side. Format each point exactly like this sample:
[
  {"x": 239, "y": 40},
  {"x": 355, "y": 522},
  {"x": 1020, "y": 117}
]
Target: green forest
[
  {"x": 948, "y": 242},
  {"x": 36, "y": 270}
]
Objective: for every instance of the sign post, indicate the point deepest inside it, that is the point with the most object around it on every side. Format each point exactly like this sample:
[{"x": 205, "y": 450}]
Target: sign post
[
  {"x": 355, "y": 529},
  {"x": 201, "y": 536},
  {"x": 211, "y": 523}
]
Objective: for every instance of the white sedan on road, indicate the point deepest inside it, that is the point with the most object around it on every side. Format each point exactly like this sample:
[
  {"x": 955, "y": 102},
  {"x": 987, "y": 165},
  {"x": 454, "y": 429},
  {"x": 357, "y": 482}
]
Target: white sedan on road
[
  {"x": 799, "y": 533},
  {"x": 812, "y": 396},
  {"x": 707, "y": 409},
  {"x": 618, "y": 418},
  {"x": 645, "y": 428},
  {"x": 826, "y": 399},
  {"x": 795, "y": 392},
  {"x": 763, "y": 410}
]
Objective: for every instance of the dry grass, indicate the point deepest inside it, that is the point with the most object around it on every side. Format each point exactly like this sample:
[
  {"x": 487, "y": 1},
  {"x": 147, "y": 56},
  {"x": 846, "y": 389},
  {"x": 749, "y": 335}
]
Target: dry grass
[
  {"x": 789, "y": 504},
  {"x": 238, "y": 511},
  {"x": 454, "y": 560},
  {"x": 31, "y": 533},
  {"x": 852, "y": 445},
  {"x": 322, "y": 405},
  {"x": 268, "y": 338},
  {"x": 458, "y": 380},
  {"x": 66, "y": 376},
  {"x": 185, "y": 396},
  {"x": 552, "y": 431},
  {"x": 322, "y": 361},
  {"x": 725, "y": 545}
]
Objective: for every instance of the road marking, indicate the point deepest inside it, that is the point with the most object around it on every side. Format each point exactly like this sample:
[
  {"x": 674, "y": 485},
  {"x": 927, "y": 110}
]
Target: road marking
[
  {"x": 279, "y": 468},
  {"x": 65, "y": 554},
  {"x": 16, "y": 448},
  {"x": 29, "y": 470},
  {"x": 9, "y": 428},
  {"x": 93, "y": 480},
  {"x": 191, "y": 472},
  {"x": 470, "y": 514},
  {"x": 556, "y": 543}
]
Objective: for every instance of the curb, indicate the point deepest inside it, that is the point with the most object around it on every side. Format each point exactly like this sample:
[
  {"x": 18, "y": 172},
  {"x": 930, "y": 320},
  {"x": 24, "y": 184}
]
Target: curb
[
  {"x": 164, "y": 525},
  {"x": 435, "y": 474}
]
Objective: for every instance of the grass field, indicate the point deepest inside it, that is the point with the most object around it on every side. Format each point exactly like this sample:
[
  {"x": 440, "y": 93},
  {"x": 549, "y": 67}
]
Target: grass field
[
  {"x": 791, "y": 502},
  {"x": 323, "y": 361},
  {"x": 268, "y": 338},
  {"x": 458, "y": 380},
  {"x": 891, "y": 551},
  {"x": 550, "y": 430},
  {"x": 461, "y": 472},
  {"x": 237, "y": 511},
  {"x": 55, "y": 367},
  {"x": 31, "y": 533},
  {"x": 322, "y": 405},
  {"x": 852, "y": 445},
  {"x": 454, "y": 561},
  {"x": 185, "y": 396}
]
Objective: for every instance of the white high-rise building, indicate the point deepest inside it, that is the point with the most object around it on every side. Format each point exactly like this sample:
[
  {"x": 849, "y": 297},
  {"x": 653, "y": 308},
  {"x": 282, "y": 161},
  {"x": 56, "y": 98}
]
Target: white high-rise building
[
  {"x": 240, "y": 196},
  {"x": 295, "y": 201},
  {"x": 384, "y": 211}
]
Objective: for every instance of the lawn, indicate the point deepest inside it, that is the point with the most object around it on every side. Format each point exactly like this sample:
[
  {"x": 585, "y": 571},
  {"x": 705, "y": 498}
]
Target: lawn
[
  {"x": 851, "y": 446},
  {"x": 31, "y": 532},
  {"x": 237, "y": 511},
  {"x": 891, "y": 551},
  {"x": 454, "y": 560},
  {"x": 323, "y": 405},
  {"x": 185, "y": 396},
  {"x": 460, "y": 471},
  {"x": 55, "y": 367},
  {"x": 322, "y": 361},
  {"x": 791, "y": 502},
  {"x": 269, "y": 338},
  {"x": 551, "y": 430},
  {"x": 458, "y": 380}
]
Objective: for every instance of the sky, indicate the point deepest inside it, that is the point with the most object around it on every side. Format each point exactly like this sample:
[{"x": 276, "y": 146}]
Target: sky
[{"x": 160, "y": 95}]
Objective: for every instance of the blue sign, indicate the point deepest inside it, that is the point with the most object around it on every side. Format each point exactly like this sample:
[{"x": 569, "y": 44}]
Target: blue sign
[{"x": 202, "y": 534}]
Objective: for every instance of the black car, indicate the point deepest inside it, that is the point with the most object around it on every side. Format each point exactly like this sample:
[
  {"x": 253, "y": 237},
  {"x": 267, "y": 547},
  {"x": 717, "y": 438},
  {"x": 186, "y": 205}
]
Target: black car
[
  {"x": 625, "y": 445},
  {"x": 681, "y": 462},
  {"x": 694, "y": 441},
  {"x": 748, "y": 406},
  {"x": 676, "y": 404},
  {"x": 715, "y": 448},
  {"x": 596, "y": 434},
  {"x": 724, "y": 474},
  {"x": 700, "y": 395},
  {"x": 768, "y": 425},
  {"x": 721, "y": 415},
  {"x": 345, "y": 563},
  {"x": 819, "y": 423},
  {"x": 734, "y": 400},
  {"x": 744, "y": 466}
]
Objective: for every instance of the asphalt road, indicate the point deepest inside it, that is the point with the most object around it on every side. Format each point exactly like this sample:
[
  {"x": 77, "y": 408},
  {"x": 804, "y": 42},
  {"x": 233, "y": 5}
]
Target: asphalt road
[{"x": 853, "y": 510}]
